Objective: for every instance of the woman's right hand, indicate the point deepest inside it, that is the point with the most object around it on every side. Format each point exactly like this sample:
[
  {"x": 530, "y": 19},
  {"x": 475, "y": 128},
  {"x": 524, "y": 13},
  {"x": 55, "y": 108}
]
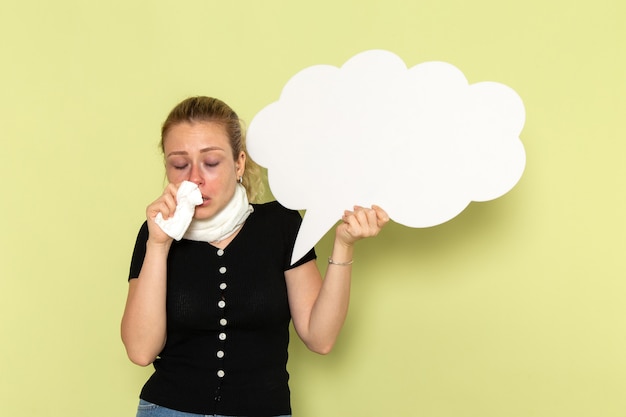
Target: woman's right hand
[{"x": 166, "y": 205}]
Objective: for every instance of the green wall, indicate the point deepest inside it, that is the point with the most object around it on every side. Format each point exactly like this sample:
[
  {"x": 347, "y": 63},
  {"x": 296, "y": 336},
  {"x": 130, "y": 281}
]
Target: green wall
[{"x": 514, "y": 308}]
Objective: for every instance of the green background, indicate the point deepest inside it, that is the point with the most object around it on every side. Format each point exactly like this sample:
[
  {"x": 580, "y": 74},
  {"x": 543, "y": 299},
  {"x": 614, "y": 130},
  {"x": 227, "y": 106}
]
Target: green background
[{"x": 514, "y": 308}]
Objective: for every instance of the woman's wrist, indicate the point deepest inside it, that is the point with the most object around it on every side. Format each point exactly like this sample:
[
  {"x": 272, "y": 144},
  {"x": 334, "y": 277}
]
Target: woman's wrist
[
  {"x": 159, "y": 246},
  {"x": 341, "y": 254}
]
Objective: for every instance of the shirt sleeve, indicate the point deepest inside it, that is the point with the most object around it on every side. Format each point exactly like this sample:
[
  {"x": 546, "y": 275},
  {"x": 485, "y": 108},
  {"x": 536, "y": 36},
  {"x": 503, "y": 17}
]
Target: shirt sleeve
[
  {"x": 293, "y": 220},
  {"x": 139, "y": 252}
]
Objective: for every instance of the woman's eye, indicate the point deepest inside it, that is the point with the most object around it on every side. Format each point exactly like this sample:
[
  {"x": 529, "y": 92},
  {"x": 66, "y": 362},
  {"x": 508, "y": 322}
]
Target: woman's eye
[
  {"x": 180, "y": 166},
  {"x": 211, "y": 164}
]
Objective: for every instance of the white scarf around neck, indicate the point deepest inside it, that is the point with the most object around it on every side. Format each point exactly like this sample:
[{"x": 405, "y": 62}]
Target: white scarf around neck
[{"x": 224, "y": 223}]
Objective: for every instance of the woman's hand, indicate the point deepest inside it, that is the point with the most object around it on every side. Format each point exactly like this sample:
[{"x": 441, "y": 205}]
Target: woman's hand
[
  {"x": 359, "y": 223},
  {"x": 166, "y": 205}
]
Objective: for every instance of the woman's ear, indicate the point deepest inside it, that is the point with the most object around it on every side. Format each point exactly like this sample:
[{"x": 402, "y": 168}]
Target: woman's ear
[{"x": 240, "y": 164}]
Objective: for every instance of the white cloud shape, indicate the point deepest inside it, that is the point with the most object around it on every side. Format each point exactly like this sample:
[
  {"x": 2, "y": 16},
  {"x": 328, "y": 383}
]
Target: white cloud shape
[{"x": 421, "y": 142}]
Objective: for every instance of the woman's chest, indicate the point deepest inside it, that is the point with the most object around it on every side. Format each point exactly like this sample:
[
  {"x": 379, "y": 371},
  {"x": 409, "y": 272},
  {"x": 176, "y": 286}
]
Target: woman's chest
[{"x": 206, "y": 285}]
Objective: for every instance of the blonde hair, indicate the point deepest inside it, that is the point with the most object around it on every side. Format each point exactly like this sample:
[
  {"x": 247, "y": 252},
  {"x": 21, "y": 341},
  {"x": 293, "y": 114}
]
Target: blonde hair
[{"x": 209, "y": 109}]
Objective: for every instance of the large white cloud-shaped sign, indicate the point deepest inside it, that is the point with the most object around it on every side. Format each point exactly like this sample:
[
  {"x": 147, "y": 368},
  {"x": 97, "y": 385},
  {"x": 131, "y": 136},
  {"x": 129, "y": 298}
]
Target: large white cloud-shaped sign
[{"x": 421, "y": 142}]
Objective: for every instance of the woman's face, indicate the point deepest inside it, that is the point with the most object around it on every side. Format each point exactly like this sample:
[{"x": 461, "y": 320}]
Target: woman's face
[{"x": 200, "y": 152}]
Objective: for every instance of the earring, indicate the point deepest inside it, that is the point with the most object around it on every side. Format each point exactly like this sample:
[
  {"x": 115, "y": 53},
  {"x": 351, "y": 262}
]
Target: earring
[{"x": 240, "y": 180}]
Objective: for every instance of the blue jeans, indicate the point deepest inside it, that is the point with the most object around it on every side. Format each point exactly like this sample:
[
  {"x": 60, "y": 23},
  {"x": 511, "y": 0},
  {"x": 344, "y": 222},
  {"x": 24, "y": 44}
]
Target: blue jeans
[{"x": 147, "y": 409}]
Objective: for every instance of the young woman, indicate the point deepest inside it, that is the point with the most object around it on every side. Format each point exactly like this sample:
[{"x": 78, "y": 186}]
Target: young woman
[{"x": 211, "y": 312}]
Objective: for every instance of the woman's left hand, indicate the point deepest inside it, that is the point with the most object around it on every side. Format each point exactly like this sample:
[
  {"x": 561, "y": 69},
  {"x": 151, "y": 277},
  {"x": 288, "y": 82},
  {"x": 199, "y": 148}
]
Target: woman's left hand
[{"x": 359, "y": 223}]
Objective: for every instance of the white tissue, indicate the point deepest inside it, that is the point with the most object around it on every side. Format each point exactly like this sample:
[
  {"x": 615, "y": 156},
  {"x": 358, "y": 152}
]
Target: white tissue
[{"x": 187, "y": 198}]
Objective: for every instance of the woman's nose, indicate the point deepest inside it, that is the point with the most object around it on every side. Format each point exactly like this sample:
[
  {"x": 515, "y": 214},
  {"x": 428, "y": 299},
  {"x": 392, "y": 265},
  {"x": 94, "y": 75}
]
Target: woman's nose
[{"x": 195, "y": 175}]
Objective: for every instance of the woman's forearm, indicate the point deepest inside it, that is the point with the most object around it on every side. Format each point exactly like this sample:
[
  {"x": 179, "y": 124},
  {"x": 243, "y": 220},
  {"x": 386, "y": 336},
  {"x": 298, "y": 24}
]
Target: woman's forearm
[
  {"x": 144, "y": 320},
  {"x": 331, "y": 307}
]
